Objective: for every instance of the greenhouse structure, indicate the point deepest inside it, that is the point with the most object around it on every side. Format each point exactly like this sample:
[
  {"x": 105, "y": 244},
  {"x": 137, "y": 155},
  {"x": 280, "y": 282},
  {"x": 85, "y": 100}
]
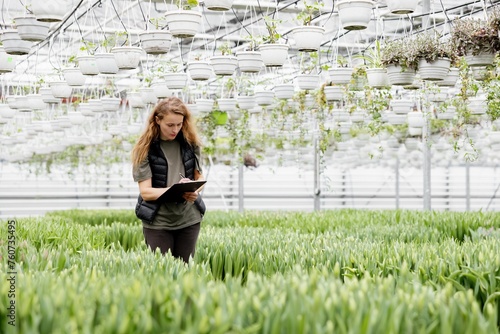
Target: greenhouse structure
[{"x": 351, "y": 150}]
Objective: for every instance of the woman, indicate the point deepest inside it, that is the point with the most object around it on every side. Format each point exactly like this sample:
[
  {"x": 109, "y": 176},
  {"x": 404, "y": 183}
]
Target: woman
[{"x": 168, "y": 150}]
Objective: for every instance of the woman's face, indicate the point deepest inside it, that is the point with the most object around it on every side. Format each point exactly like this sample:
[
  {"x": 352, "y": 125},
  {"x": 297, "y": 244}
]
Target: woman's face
[{"x": 170, "y": 126}]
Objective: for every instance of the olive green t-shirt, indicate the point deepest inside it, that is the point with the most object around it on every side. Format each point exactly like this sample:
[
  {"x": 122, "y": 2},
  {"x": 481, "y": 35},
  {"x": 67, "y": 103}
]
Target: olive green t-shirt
[{"x": 171, "y": 216}]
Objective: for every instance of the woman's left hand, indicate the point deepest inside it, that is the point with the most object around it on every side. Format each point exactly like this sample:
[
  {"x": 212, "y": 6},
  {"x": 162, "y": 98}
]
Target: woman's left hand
[{"x": 190, "y": 197}]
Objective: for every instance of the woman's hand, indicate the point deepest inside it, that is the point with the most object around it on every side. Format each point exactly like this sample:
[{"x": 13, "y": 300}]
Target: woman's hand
[{"x": 190, "y": 197}]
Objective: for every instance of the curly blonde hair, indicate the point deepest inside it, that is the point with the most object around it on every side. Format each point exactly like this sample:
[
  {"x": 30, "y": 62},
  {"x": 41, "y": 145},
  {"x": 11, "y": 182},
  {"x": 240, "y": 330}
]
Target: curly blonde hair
[{"x": 170, "y": 105}]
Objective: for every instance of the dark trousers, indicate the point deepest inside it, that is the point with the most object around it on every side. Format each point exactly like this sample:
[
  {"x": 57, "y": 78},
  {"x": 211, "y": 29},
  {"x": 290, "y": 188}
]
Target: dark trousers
[{"x": 181, "y": 243}]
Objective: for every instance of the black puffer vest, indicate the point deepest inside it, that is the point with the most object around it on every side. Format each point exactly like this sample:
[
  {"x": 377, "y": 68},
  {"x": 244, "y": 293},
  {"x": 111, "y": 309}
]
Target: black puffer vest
[{"x": 147, "y": 210}]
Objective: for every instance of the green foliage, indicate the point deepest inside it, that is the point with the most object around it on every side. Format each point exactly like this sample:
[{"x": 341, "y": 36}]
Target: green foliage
[
  {"x": 309, "y": 11},
  {"x": 272, "y": 36},
  {"x": 253, "y": 272}
]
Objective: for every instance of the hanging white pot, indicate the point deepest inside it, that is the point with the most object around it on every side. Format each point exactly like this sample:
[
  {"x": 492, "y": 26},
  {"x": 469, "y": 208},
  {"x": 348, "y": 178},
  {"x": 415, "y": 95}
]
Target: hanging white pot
[
  {"x": 35, "y": 101},
  {"x": 398, "y": 76},
  {"x": 176, "y": 80},
  {"x": 307, "y": 81},
  {"x": 218, "y": 5},
  {"x": 127, "y": 57},
  {"x": 6, "y": 112},
  {"x": 377, "y": 77},
  {"x": 22, "y": 103},
  {"x": 160, "y": 89},
  {"x": 482, "y": 59},
  {"x": 355, "y": 14},
  {"x": 340, "y": 75},
  {"x": 74, "y": 77},
  {"x": 95, "y": 105},
  {"x": 13, "y": 44},
  {"x": 106, "y": 63},
  {"x": 438, "y": 97},
  {"x": 448, "y": 114},
  {"x": 183, "y": 23},
  {"x": 246, "y": 102},
  {"x": 395, "y": 119},
  {"x": 7, "y": 61},
  {"x": 414, "y": 131},
  {"x": 402, "y": 6},
  {"x": 284, "y": 91},
  {"x": 76, "y": 117},
  {"x": 199, "y": 70},
  {"x": 334, "y": 93},
  {"x": 274, "y": 55},
  {"x": 156, "y": 41},
  {"x": 308, "y": 38},
  {"x": 30, "y": 29},
  {"x": 47, "y": 96},
  {"x": 60, "y": 89},
  {"x": 87, "y": 64},
  {"x": 401, "y": 107},
  {"x": 264, "y": 98},
  {"x": 204, "y": 105},
  {"x": 135, "y": 100},
  {"x": 415, "y": 119},
  {"x": 227, "y": 105},
  {"x": 224, "y": 65},
  {"x": 50, "y": 11},
  {"x": 148, "y": 95},
  {"x": 451, "y": 78},
  {"x": 250, "y": 61},
  {"x": 480, "y": 73},
  {"x": 434, "y": 71},
  {"x": 110, "y": 103},
  {"x": 477, "y": 105}
]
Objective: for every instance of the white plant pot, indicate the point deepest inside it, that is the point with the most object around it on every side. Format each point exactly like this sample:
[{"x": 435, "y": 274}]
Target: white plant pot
[
  {"x": 398, "y": 77},
  {"x": 451, "y": 78},
  {"x": 204, "y": 105},
  {"x": 148, "y": 95},
  {"x": 395, "y": 119},
  {"x": 401, "y": 107},
  {"x": 199, "y": 70},
  {"x": 7, "y": 61},
  {"x": 50, "y": 11},
  {"x": 135, "y": 100},
  {"x": 402, "y": 6},
  {"x": 160, "y": 89},
  {"x": 218, "y": 5},
  {"x": 480, "y": 73},
  {"x": 6, "y": 112},
  {"x": 227, "y": 105},
  {"x": 35, "y": 102},
  {"x": 477, "y": 105},
  {"x": 438, "y": 97},
  {"x": 13, "y": 44},
  {"x": 183, "y": 23},
  {"x": 340, "y": 75},
  {"x": 284, "y": 91},
  {"x": 307, "y": 81},
  {"x": 127, "y": 57},
  {"x": 176, "y": 80},
  {"x": 87, "y": 64},
  {"x": 355, "y": 14},
  {"x": 333, "y": 93},
  {"x": 434, "y": 71},
  {"x": 76, "y": 117},
  {"x": 414, "y": 131},
  {"x": 308, "y": 38},
  {"x": 274, "y": 55},
  {"x": 95, "y": 105},
  {"x": 250, "y": 61},
  {"x": 22, "y": 103},
  {"x": 47, "y": 96},
  {"x": 30, "y": 29},
  {"x": 60, "y": 89},
  {"x": 74, "y": 77},
  {"x": 110, "y": 103},
  {"x": 415, "y": 119},
  {"x": 377, "y": 77},
  {"x": 106, "y": 63},
  {"x": 156, "y": 41},
  {"x": 264, "y": 98},
  {"x": 448, "y": 114},
  {"x": 482, "y": 59},
  {"x": 224, "y": 65},
  {"x": 246, "y": 102}
]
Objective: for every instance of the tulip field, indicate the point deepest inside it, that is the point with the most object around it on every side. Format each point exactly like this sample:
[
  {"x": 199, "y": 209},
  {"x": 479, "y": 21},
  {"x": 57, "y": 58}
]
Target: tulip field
[{"x": 344, "y": 271}]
